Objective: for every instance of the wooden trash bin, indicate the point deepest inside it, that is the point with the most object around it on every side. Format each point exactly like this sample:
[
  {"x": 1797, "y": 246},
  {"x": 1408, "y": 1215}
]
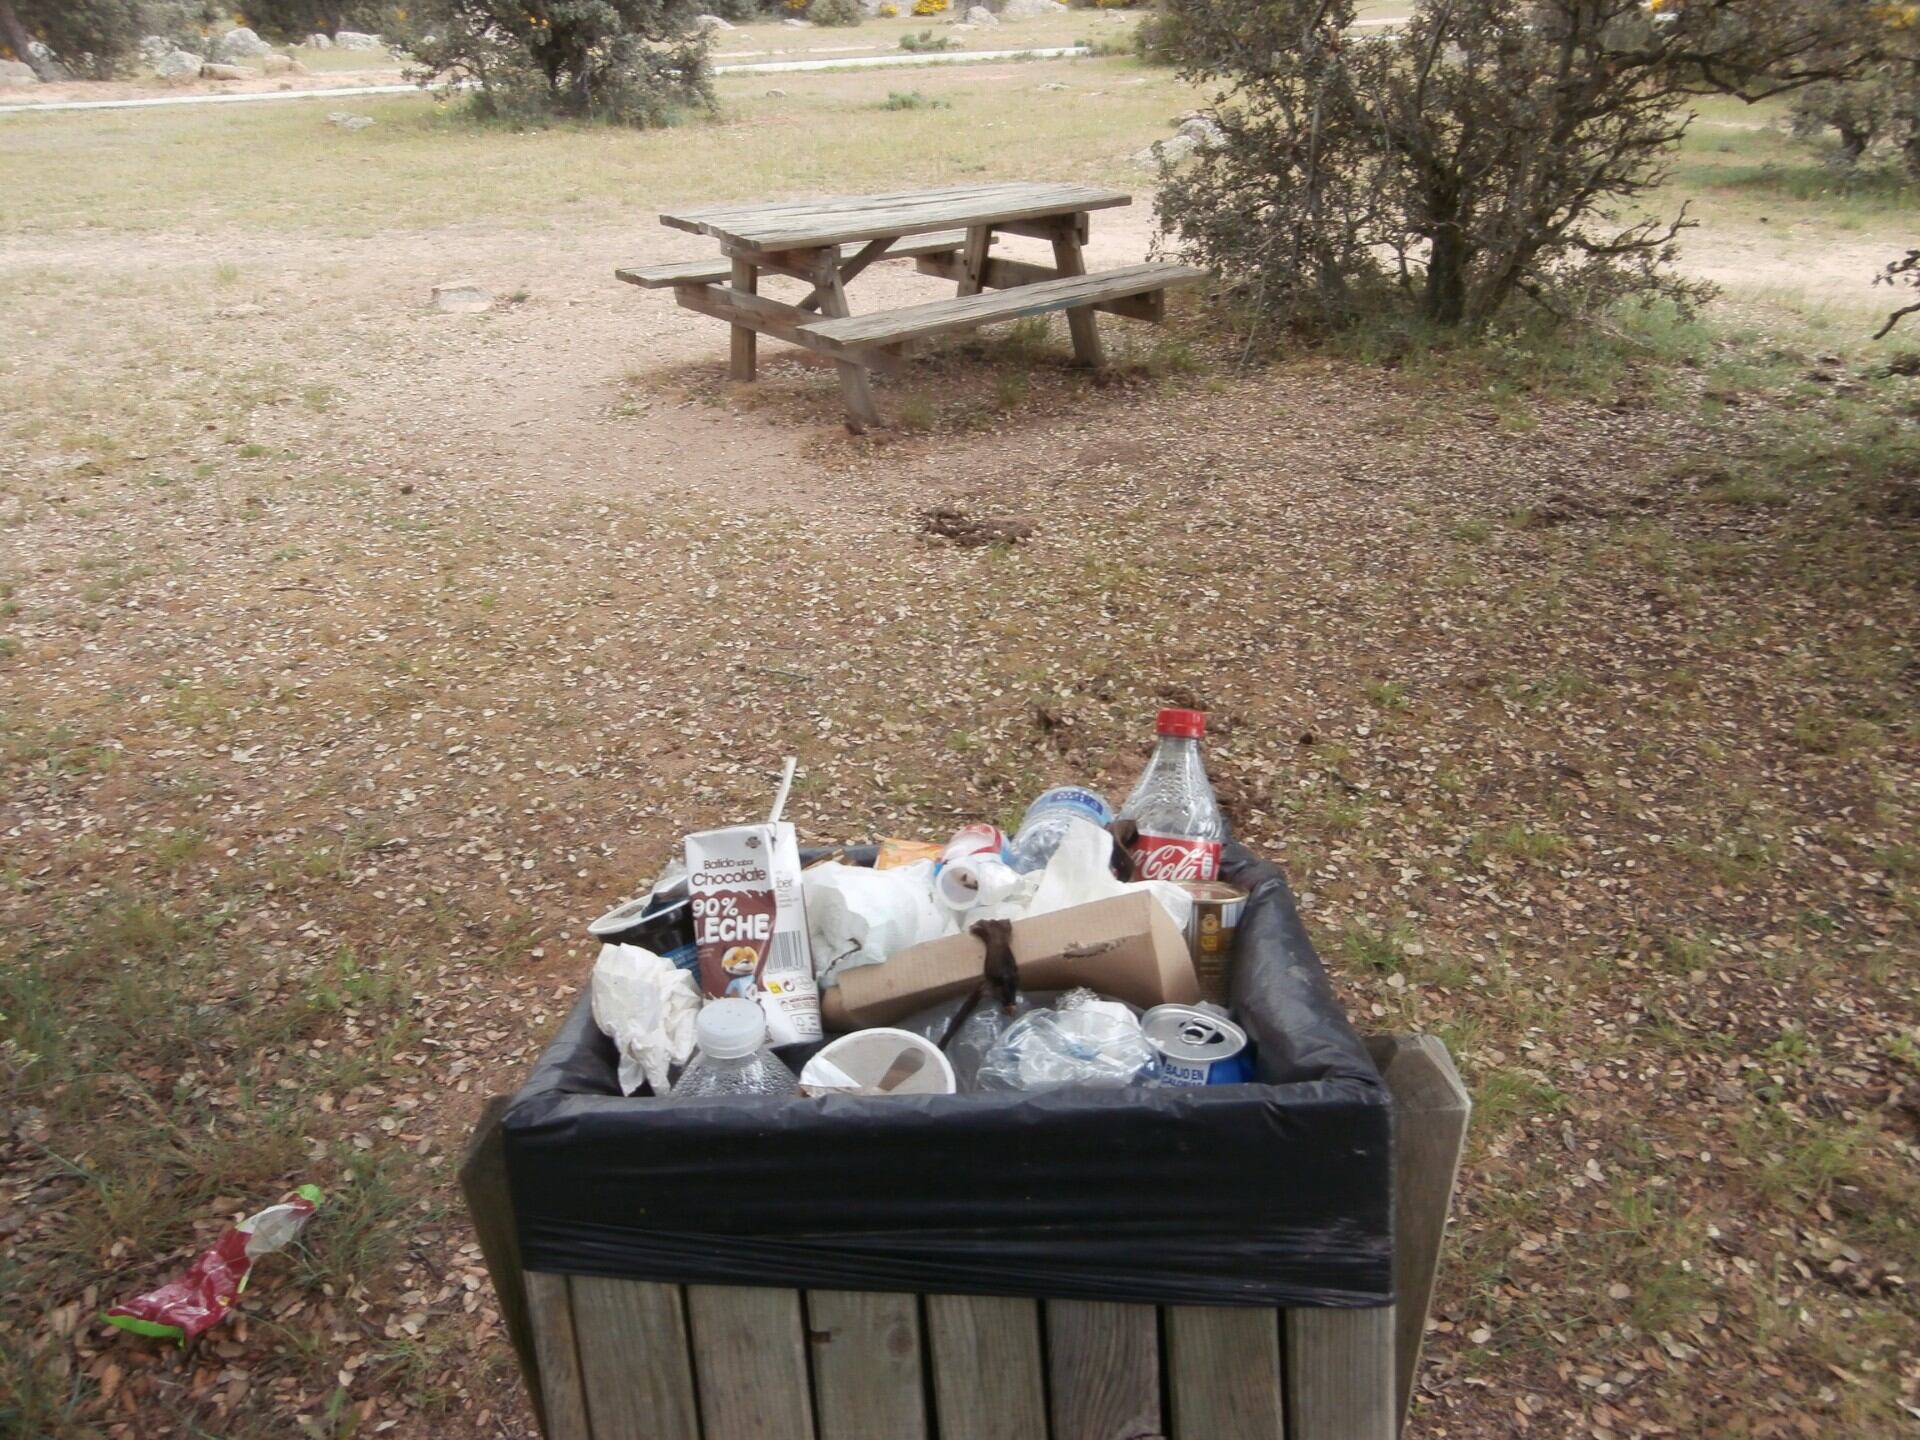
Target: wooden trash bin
[{"x": 612, "y": 1359}]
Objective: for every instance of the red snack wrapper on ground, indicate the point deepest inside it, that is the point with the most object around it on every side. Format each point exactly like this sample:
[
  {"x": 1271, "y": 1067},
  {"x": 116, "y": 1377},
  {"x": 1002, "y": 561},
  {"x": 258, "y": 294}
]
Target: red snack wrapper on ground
[{"x": 182, "y": 1309}]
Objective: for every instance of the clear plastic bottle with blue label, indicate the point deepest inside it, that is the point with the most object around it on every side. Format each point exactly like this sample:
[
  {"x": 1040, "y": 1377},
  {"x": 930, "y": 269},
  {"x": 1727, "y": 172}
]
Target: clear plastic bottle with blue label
[{"x": 1046, "y": 823}]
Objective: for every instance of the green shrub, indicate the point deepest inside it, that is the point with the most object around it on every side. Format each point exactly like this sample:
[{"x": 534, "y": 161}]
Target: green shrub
[
  {"x": 925, "y": 40},
  {"x": 622, "y": 62},
  {"x": 91, "y": 38},
  {"x": 910, "y": 100},
  {"x": 835, "y": 12},
  {"x": 1156, "y": 38}
]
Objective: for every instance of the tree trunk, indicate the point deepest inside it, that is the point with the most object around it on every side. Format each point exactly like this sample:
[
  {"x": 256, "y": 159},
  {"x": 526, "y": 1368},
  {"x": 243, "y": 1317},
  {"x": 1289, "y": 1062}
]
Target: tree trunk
[
  {"x": 1854, "y": 139},
  {"x": 1446, "y": 299},
  {"x": 21, "y": 43}
]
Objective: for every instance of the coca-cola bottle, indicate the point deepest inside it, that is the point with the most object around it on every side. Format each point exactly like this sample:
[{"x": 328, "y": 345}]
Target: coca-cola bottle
[{"x": 1181, "y": 826}]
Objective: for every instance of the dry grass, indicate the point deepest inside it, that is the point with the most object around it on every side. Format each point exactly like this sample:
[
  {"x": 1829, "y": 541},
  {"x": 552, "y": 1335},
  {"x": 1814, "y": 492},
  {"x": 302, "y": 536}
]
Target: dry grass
[
  {"x": 420, "y": 166},
  {"x": 350, "y": 656}
]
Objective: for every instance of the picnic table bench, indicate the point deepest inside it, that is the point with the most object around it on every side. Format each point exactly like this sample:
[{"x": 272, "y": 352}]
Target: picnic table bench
[{"x": 947, "y": 233}]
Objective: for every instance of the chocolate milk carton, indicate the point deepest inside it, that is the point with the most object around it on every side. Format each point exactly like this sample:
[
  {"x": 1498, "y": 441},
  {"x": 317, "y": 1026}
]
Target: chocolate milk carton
[{"x": 750, "y": 925}]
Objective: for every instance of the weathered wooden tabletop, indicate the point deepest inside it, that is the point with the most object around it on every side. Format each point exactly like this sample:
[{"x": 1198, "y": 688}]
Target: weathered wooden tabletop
[{"x": 802, "y": 224}]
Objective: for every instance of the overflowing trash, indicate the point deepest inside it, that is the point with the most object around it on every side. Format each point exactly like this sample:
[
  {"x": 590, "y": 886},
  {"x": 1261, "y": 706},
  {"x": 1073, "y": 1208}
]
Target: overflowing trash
[
  {"x": 1089, "y": 949},
  {"x": 184, "y": 1309}
]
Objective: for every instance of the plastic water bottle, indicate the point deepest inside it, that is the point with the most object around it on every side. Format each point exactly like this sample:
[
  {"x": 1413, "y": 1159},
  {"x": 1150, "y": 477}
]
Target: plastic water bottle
[
  {"x": 1046, "y": 822},
  {"x": 734, "y": 1058},
  {"x": 1181, "y": 823}
]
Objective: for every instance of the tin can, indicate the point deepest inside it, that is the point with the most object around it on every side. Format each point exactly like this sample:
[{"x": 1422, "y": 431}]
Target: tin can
[
  {"x": 666, "y": 930},
  {"x": 1195, "y": 1046},
  {"x": 1217, "y": 907}
]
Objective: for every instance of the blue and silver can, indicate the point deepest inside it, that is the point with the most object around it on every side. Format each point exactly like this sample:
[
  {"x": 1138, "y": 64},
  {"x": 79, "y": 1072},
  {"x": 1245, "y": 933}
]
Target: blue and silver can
[{"x": 1197, "y": 1046}]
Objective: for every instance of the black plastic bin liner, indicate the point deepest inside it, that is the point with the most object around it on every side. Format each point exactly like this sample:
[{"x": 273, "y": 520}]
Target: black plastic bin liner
[{"x": 1275, "y": 1193}]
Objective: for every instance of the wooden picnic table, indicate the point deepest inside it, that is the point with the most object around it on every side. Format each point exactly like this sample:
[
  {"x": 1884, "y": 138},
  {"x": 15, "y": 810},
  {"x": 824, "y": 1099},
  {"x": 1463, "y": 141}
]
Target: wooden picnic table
[{"x": 947, "y": 232}]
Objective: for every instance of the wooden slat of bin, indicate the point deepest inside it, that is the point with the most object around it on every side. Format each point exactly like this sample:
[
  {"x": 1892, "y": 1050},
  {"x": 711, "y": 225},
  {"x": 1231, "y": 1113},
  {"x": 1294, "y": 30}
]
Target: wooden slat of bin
[
  {"x": 867, "y": 1383},
  {"x": 1431, "y": 1109},
  {"x": 550, "y": 1305},
  {"x": 1340, "y": 1374},
  {"x": 483, "y": 1181},
  {"x": 1223, "y": 1373},
  {"x": 1103, "y": 1370},
  {"x": 986, "y": 1367},
  {"x": 632, "y": 1339},
  {"x": 750, "y": 1364}
]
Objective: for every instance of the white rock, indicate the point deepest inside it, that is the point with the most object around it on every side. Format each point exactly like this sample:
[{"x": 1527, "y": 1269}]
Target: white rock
[
  {"x": 37, "y": 50},
  {"x": 317, "y": 41},
  {"x": 710, "y": 22},
  {"x": 980, "y": 15},
  {"x": 1170, "y": 151},
  {"x": 152, "y": 47},
  {"x": 347, "y": 120},
  {"x": 462, "y": 297},
  {"x": 1204, "y": 131},
  {"x": 240, "y": 43},
  {"x": 798, "y": 24},
  {"x": 776, "y": 94},
  {"x": 356, "y": 40},
  {"x": 1053, "y": 85},
  {"x": 1030, "y": 9},
  {"x": 281, "y": 65},
  {"x": 225, "y": 72},
  {"x": 178, "y": 65},
  {"x": 18, "y": 72}
]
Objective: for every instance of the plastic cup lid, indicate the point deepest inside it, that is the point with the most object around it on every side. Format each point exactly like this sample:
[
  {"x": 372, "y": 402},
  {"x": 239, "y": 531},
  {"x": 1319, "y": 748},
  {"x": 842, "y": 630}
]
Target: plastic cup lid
[
  {"x": 730, "y": 1029},
  {"x": 866, "y": 1059},
  {"x": 1188, "y": 724},
  {"x": 622, "y": 917}
]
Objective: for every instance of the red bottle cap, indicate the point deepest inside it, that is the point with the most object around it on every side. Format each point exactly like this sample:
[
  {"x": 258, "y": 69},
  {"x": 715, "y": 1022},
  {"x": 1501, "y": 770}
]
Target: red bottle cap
[{"x": 1187, "y": 724}]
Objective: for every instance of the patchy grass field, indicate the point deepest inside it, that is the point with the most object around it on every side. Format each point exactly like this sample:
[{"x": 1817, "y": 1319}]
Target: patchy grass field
[
  {"x": 422, "y": 167},
  {"x": 351, "y": 656}
]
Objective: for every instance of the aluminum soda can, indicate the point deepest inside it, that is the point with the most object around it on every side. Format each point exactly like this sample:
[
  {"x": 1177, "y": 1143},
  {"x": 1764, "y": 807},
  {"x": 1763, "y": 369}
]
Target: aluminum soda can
[
  {"x": 1195, "y": 1046},
  {"x": 1216, "y": 915}
]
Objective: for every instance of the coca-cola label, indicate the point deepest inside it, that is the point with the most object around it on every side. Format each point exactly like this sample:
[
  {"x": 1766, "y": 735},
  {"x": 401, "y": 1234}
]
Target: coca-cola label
[{"x": 1168, "y": 857}]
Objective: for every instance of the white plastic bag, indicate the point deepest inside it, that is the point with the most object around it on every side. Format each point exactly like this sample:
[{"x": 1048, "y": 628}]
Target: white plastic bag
[
  {"x": 1081, "y": 871},
  {"x": 860, "y": 916},
  {"x": 647, "y": 1006}
]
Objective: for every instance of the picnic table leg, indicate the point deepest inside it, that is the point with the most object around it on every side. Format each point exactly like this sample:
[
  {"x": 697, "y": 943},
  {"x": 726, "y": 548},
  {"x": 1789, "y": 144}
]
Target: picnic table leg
[
  {"x": 1068, "y": 260},
  {"x": 740, "y": 363},
  {"x": 854, "y": 383},
  {"x": 973, "y": 259}
]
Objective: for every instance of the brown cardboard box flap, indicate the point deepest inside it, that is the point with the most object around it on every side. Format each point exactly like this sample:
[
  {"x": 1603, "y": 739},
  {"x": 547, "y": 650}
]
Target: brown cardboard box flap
[{"x": 1127, "y": 947}]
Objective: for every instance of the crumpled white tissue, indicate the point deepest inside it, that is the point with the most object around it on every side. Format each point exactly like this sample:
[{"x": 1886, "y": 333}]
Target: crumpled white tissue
[
  {"x": 647, "y": 1006},
  {"x": 860, "y": 916},
  {"x": 1081, "y": 872}
]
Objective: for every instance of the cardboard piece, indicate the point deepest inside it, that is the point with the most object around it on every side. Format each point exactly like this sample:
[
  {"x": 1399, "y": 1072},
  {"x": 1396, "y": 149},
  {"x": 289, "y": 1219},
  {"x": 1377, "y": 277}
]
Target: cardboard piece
[{"x": 1126, "y": 946}]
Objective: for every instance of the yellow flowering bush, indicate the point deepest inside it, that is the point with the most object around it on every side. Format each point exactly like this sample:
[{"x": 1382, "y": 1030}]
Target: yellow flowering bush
[{"x": 929, "y": 7}]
